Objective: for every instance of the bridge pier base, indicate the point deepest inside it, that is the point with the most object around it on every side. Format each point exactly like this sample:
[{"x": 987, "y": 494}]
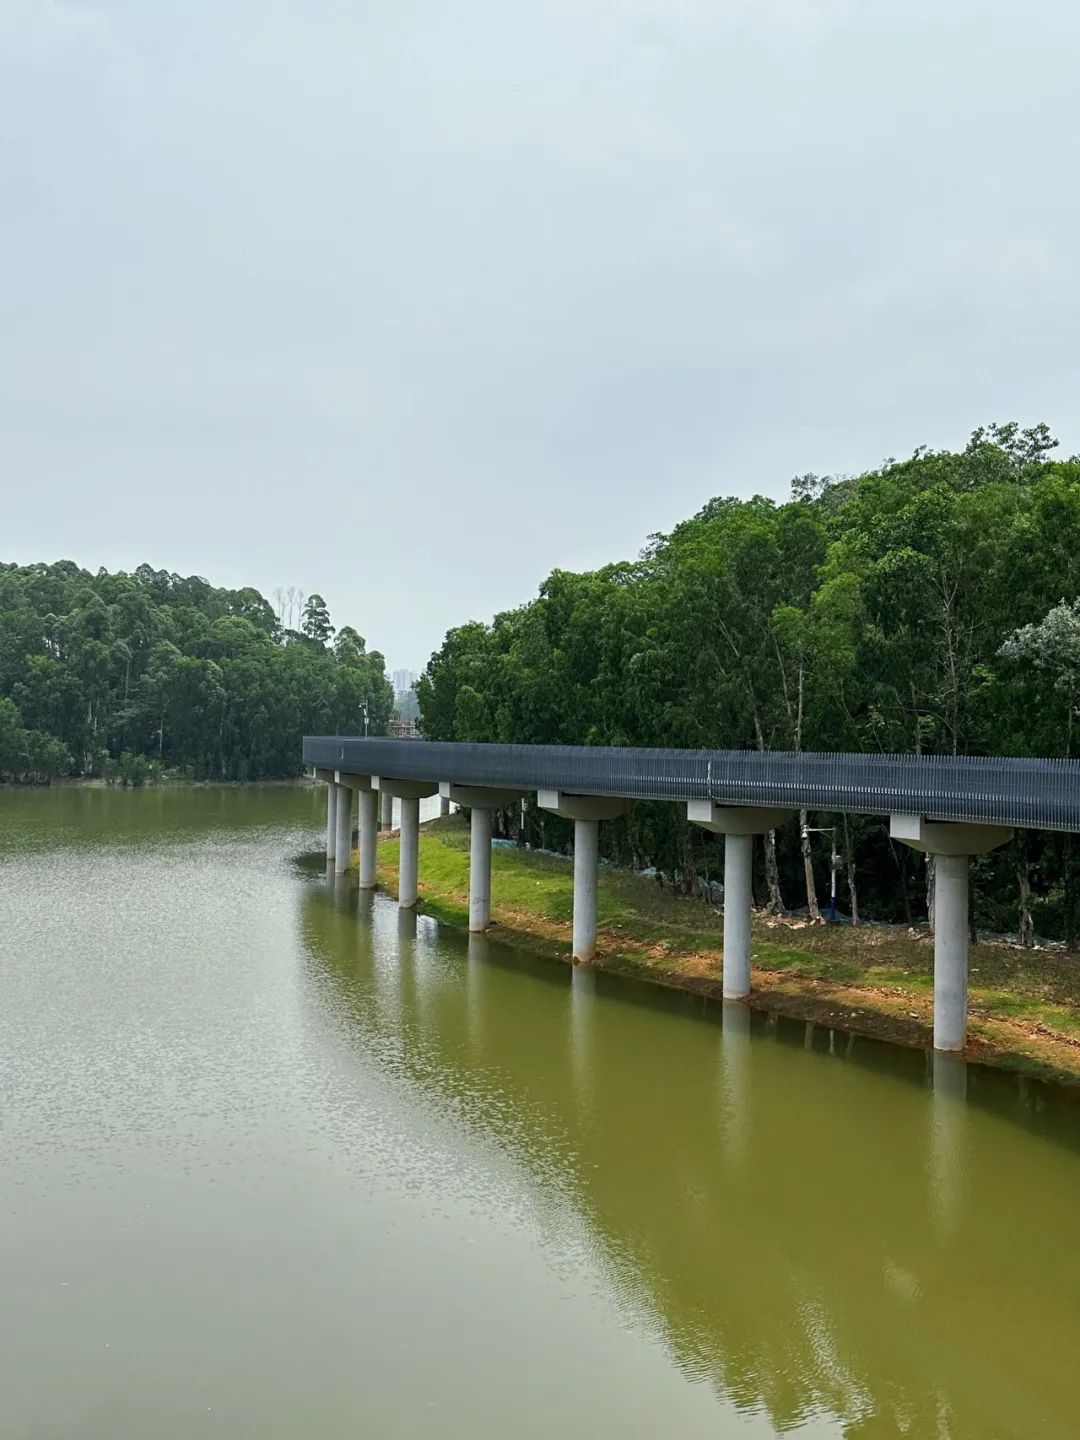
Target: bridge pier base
[
  {"x": 409, "y": 854},
  {"x": 331, "y": 820},
  {"x": 586, "y": 811},
  {"x": 738, "y": 907},
  {"x": 586, "y": 864},
  {"x": 343, "y": 829},
  {"x": 480, "y": 801},
  {"x": 366, "y": 825},
  {"x": 950, "y": 951},
  {"x": 368, "y": 837},
  {"x": 329, "y": 779},
  {"x": 410, "y": 793},
  {"x": 952, "y": 844},
  {"x": 738, "y": 824},
  {"x": 479, "y": 868}
]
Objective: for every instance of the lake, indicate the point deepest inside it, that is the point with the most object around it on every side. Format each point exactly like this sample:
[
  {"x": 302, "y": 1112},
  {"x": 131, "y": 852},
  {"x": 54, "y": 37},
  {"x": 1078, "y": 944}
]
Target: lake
[{"x": 280, "y": 1161}]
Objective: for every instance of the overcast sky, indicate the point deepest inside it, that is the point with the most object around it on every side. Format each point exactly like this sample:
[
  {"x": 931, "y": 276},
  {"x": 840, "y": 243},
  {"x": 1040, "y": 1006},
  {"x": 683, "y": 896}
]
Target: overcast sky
[{"x": 411, "y": 302}]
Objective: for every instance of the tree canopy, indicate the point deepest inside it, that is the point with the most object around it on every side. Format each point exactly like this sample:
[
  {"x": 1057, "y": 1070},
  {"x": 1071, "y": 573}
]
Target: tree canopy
[
  {"x": 928, "y": 605},
  {"x": 202, "y": 679}
]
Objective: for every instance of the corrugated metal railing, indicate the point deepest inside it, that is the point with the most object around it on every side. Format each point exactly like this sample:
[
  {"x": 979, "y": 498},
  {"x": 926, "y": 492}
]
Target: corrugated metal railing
[{"x": 1042, "y": 794}]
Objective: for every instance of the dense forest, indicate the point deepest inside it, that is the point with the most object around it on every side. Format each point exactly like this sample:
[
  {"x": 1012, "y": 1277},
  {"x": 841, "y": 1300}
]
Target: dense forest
[
  {"x": 929, "y": 605},
  {"x": 126, "y": 676}
]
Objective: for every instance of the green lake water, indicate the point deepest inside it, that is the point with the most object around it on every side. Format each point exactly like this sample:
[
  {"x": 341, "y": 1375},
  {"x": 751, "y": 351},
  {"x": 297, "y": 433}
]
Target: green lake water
[{"x": 276, "y": 1161}]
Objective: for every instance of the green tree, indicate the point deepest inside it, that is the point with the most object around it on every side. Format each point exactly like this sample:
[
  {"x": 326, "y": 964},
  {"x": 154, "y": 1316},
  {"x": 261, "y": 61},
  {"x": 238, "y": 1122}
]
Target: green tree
[{"x": 316, "y": 623}]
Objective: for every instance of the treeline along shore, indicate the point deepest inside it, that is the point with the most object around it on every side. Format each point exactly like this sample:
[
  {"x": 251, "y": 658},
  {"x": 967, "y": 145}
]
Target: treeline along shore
[
  {"x": 126, "y": 676},
  {"x": 929, "y": 605}
]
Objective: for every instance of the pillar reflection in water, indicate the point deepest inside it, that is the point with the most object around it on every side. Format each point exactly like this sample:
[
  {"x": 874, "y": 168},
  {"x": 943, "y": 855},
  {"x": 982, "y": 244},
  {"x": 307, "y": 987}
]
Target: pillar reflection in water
[
  {"x": 796, "y": 1225},
  {"x": 340, "y": 886},
  {"x": 365, "y": 913},
  {"x": 734, "y": 1077},
  {"x": 479, "y": 958},
  {"x": 382, "y": 921},
  {"x": 948, "y": 1140},
  {"x": 582, "y": 1019}
]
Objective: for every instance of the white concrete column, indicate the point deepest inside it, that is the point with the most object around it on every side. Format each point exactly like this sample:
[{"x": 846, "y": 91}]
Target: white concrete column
[
  {"x": 738, "y": 900},
  {"x": 479, "y": 868},
  {"x": 586, "y": 811},
  {"x": 444, "y": 806},
  {"x": 386, "y": 810},
  {"x": 409, "y": 861},
  {"x": 409, "y": 793},
  {"x": 950, "y": 951},
  {"x": 738, "y": 824},
  {"x": 343, "y": 838},
  {"x": 481, "y": 800},
  {"x": 951, "y": 843},
  {"x": 368, "y": 827},
  {"x": 586, "y": 860},
  {"x": 331, "y": 819}
]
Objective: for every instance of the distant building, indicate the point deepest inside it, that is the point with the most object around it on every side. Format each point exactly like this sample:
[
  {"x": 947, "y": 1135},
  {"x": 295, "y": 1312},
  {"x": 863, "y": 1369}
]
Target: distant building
[
  {"x": 406, "y": 706},
  {"x": 404, "y": 680}
]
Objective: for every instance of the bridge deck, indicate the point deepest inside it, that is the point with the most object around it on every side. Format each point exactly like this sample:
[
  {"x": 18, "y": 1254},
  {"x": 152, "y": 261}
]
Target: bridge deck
[{"x": 1042, "y": 794}]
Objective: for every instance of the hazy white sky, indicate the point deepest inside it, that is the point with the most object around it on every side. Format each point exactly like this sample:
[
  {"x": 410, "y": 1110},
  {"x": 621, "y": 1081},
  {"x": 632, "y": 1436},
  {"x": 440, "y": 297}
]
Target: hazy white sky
[{"x": 411, "y": 302}]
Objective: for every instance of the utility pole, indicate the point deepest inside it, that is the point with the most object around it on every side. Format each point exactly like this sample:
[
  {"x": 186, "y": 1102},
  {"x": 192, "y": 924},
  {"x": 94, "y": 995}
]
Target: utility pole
[{"x": 834, "y": 860}]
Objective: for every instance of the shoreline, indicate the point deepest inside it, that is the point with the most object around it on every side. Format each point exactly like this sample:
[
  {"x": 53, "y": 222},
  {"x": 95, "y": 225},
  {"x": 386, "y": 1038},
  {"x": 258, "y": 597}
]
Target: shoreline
[
  {"x": 164, "y": 782},
  {"x": 872, "y": 981}
]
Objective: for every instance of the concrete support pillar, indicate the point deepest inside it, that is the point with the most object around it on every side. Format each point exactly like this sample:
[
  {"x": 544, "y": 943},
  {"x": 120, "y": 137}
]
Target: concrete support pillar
[
  {"x": 950, "y": 951},
  {"x": 479, "y": 868},
  {"x": 343, "y": 839},
  {"x": 409, "y": 793},
  {"x": 386, "y": 810},
  {"x": 951, "y": 843},
  {"x": 586, "y": 811},
  {"x": 444, "y": 805},
  {"x": 481, "y": 800},
  {"x": 586, "y": 860},
  {"x": 409, "y": 861},
  {"x": 331, "y": 819},
  {"x": 368, "y": 838},
  {"x": 738, "y": 824},
  {"x": 738, "y": 902}
]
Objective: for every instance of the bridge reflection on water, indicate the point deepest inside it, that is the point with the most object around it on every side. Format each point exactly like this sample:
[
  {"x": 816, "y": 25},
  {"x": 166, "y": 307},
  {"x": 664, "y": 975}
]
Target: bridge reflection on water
[{"x": 814, "y": 1225}]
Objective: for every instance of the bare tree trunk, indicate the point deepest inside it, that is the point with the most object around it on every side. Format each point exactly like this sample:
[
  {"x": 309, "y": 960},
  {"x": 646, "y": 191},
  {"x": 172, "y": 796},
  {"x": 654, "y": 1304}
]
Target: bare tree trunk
[
  {"x": 898, "y": 856},
  {"x": 1026, "y": 927},
  {"x": 849, "y": 865},
  {"x": 775, "y": 905},
  {"x": 930, "y": 891},
  {"x": 808, "y": 869},
  {"x": 689, "y": 869}
]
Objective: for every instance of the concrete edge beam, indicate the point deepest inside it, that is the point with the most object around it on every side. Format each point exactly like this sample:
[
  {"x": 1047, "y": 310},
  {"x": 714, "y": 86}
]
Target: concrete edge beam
[
  {"x": 582, "y": 807},
  {"x": 947, "y": 837},
  {"x": 404, "y": 789},
  {"x": 735, "y": 819},
  {"x": 478, "y": 797},
  {"x": 328, "y": 777}
]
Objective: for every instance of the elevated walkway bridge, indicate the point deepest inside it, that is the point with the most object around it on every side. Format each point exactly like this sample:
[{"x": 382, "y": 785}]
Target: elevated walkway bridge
[{"x": 951, "y": 807}]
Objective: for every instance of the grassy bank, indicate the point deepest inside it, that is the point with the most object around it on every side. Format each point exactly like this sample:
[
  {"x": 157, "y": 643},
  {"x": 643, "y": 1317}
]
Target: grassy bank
[{"x": 1025, "y": 1004}]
